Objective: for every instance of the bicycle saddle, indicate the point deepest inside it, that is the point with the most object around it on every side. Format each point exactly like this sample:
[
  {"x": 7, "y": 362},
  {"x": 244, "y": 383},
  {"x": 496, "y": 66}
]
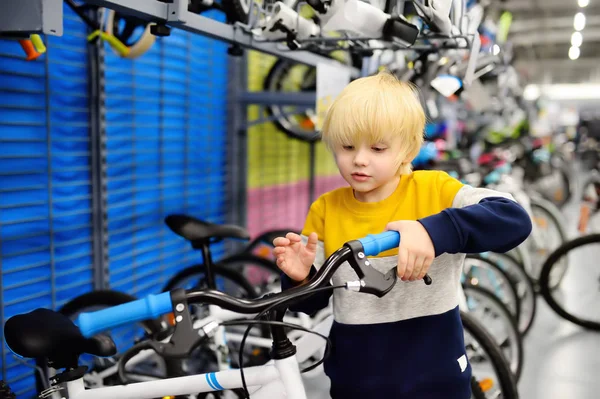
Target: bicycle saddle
[
  {"x": 45, "y": 333},
  {"x": 193, "y": 229}
]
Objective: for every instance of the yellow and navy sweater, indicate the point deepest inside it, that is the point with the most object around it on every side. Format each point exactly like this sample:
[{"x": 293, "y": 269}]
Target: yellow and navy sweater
[{"x": 408, "y": 344}]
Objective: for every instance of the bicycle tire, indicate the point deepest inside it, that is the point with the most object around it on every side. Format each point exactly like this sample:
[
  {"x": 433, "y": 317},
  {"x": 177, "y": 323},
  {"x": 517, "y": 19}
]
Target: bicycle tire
[
  {"x": 564, "y": 172},
  {"x": 273, "y": 82},
  {"x": 546, "y": 207},
  {"x": 267, "y": 237},
  {"x": 102, "y": 298},
  {"x": 219, "y": 270},
  {"x": 515, "y": 364},
  {"x": 263, "y": 263},
  {"x": 506, "y": 379},
  {"x": 525, "y": 289},
  {"x": 515, "y": 309},
  {"x": 546, "y": 289}
]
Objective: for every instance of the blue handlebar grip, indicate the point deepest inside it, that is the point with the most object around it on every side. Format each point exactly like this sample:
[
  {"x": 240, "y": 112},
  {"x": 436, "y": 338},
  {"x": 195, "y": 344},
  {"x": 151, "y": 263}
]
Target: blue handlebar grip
[
  {"x": 150, "y": 307},
  {"x": 373, "y": 244}
]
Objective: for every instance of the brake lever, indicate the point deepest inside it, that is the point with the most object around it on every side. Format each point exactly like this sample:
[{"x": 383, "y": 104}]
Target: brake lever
[
  {"x": 184, "y": 338},
  {"x": 371, "y": 280}
]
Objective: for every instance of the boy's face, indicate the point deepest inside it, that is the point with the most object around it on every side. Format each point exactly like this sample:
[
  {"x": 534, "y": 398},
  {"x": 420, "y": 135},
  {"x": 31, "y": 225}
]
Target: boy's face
[{"x": 371, "y": 169}]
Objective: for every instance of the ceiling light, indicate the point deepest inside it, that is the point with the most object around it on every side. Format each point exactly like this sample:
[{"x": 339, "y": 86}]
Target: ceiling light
[
  {"x": 576, "y": 39},
  {"x": 583, "y": 3},
  {"x": 579, "y": 21},
  {"x": 574, "y": 53}
]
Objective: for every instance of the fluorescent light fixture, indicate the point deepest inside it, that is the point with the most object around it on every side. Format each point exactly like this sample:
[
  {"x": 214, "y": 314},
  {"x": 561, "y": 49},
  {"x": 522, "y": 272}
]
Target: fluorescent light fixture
[
  {"x": 574, "y": 53},
  {"x": 583, "y": 3},
  {"x": 578, "y": 91},
  {"x": 496, "y": 49},
  {"x": 579, "y": 21},
  {"x": 576, "y": 39}
]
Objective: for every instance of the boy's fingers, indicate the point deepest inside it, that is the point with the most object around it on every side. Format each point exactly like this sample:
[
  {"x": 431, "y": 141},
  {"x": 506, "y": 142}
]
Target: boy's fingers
[
  {"x": 418, "y": 267},
  {"x": 311, "y": 245},
  {"x": 392, "y": 226},
  {"x": 410, "y": 266},
  {"x": 402, "y": 261},
  {"x": 278, "y": 250},
  {"x": 293, "y": 237},
  {"x": 426, "y": 265},
  {"x": 281, "y": 241}
]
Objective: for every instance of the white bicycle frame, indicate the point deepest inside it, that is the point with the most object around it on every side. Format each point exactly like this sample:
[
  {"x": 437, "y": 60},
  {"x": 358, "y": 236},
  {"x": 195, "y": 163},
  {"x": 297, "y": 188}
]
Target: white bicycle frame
[
  {"x": 274, "y": 380},
  {"x": 220, "y": 339}
]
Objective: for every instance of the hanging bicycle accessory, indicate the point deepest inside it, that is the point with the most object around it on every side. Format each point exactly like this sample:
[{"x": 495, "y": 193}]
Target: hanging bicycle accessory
[{"x": 135, "y": 34}]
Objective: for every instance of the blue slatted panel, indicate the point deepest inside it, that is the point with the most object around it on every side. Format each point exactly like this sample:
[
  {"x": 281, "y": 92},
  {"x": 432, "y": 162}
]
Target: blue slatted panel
[
  {"x": 45, "y": 192},
  {"x": 166, "y": 146}
]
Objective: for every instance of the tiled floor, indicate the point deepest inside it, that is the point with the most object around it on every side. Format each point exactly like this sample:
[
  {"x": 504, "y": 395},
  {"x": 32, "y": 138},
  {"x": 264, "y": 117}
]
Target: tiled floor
[{"x": 562, "y": 360}]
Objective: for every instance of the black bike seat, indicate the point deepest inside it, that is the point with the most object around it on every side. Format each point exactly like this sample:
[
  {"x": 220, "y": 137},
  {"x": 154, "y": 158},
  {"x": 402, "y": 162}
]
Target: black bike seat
[
  {"x": 45, "y": 333},
  {"x": 193, "y": 229}
]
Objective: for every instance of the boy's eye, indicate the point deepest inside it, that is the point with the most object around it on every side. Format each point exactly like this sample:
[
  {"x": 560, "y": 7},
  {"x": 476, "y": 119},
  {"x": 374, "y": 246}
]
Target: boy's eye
[
  {"x": 379, "y": 149},
  {"x": 348, "y": 147}
]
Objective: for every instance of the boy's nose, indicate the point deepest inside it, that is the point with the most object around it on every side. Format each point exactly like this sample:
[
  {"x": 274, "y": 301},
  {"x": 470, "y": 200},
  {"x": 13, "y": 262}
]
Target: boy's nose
[{"x": 361, "y": 159}]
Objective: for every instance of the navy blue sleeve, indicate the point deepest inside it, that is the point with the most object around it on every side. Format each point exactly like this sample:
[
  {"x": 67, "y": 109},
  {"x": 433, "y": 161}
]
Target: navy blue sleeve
[
  {"x": 311, "y": 304},
  {"x": 495, "y": 224}
]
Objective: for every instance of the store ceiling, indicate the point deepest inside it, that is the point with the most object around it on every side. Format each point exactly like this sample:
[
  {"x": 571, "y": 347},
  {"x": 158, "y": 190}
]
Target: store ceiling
[{"x": 541, "y": 35}]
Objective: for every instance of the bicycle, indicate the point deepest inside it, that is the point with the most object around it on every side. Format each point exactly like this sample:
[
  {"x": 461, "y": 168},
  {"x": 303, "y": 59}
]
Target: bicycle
[
  {"x": 202, "y": 235},
  {"x": 45, "y": 333}
]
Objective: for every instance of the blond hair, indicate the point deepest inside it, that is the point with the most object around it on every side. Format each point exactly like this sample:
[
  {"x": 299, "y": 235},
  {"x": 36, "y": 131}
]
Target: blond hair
[{"x": 375, "y": 109}]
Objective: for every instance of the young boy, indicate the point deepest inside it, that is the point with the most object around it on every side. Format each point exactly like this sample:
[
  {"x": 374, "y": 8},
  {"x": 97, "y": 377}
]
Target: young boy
[{"x": 408, "y": 344}]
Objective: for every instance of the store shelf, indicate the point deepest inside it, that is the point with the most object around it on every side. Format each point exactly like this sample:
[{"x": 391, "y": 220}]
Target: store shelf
[
  {"x": 179, "y": 18},
  {"x": 268, "y": 97}
]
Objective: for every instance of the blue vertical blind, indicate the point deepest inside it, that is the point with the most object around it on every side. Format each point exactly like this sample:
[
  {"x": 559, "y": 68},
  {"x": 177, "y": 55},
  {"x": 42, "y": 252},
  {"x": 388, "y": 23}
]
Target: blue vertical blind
[
  {"x": 166, "y": 129},
  {"x": 166, "y": 146},
  {"x": 45, "y": 185}
]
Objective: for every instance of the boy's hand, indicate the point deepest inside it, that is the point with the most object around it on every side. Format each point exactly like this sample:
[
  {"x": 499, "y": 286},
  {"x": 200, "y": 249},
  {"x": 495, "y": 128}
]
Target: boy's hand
[
  {"x": 293, "y": 257},
  {"x": 416, "y": 251}
]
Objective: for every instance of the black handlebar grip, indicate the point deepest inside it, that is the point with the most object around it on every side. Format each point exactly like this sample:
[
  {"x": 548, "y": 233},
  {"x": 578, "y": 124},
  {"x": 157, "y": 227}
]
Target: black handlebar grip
[{"x": 427, "y": 279}]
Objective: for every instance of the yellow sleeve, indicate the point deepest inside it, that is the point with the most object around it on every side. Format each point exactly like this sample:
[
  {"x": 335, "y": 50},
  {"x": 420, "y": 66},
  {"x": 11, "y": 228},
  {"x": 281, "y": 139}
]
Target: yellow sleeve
[
  {"x": 447, "y": 187},
  {"x": 315, "y": 219}
]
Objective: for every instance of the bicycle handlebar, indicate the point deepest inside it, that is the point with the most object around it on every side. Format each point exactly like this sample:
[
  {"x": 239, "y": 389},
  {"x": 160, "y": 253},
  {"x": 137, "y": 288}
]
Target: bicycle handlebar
[{"x": 355, "y": 252}]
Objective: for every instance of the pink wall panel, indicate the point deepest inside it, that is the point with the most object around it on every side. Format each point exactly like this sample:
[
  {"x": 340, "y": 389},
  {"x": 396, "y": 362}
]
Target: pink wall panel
[{"x": 284, "y": 206}]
